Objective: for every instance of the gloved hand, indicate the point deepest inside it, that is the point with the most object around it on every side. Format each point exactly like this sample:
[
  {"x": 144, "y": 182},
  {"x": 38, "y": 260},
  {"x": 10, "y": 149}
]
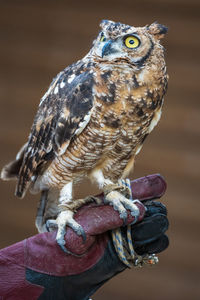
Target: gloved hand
[
  {"x": 38, "y": 267},
  {"x": 149, "y": 235}
]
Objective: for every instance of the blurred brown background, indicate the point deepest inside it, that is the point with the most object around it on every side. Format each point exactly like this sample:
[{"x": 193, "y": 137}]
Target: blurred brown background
[{"x": 40, "y": 38}]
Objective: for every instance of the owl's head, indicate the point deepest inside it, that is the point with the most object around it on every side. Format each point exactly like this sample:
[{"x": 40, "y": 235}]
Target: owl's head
[{"x": 135, "y": 44}]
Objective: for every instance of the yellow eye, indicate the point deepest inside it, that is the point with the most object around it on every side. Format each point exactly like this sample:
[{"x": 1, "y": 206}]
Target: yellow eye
[
  {"x": 131, "y": 41},
  {"x": 103, "y": 38}
]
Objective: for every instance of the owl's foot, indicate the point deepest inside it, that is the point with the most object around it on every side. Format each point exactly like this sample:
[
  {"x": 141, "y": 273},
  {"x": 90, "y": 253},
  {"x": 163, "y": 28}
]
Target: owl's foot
[
  {"x": 52, "y": 225},
  {"x": 65, "y": 218},
  {"x": 121, "y": 199}
]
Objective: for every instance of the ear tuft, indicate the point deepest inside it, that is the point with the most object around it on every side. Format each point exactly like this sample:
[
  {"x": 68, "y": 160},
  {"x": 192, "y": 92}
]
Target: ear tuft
[
  {"x": 158, "y": 30},
  {"x": 105, "y": 23}
]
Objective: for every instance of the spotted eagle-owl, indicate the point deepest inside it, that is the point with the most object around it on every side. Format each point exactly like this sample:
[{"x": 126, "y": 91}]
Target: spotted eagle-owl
[{"x": 93, "y": 121}]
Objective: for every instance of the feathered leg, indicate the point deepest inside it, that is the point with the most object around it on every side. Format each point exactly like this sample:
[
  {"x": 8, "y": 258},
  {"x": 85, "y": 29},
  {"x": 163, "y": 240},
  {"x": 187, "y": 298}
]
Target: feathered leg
[
  {"x": 65, "y": 218},
  {"x": 56, "y": 211}
]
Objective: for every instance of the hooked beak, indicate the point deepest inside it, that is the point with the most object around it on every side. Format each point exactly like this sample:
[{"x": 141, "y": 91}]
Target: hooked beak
[{"x": 107, "y": 49}]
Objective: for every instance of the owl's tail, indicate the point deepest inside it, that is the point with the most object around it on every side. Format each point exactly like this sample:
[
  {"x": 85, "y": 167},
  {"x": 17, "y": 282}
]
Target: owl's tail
[{"x": 11, "y": 170}]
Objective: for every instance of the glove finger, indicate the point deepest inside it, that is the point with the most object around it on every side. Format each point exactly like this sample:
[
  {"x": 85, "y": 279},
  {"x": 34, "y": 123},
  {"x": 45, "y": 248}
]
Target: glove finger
[
  {"x": 148, "y": 187},
  {"x": 154, "y": 207},
  {"x": 150, "y": 229},
  {"x": 156, "y": 246}
]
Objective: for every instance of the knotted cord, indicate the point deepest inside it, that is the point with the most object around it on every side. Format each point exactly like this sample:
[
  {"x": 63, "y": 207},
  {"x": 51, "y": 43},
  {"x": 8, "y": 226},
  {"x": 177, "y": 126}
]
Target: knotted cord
[{"x": 124, "y": 246}]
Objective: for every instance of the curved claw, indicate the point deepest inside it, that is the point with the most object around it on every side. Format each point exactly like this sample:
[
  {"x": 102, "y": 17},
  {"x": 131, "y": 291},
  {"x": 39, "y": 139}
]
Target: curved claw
[
  {"x": 82, "y": 233},
  {"x": 64, "y": 219},
  {"x": 124, "y": 217},
  {"x": 51, "y": 225},
  {"x": 60, "y": 238},
  {"x": 130, "y": 205},
  {"x": 77, "y": 228},
  {"x": 122, "y": 204},
  {"x": 114, "y": 198}
]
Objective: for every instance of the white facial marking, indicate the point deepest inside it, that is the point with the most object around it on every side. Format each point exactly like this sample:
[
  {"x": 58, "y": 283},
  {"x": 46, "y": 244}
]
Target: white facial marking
[{"x": 141, "y": 75}]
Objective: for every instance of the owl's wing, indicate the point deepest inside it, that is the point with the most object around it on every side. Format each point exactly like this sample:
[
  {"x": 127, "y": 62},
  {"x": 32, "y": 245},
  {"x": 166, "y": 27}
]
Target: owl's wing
[{"x": 63, "y": 113}]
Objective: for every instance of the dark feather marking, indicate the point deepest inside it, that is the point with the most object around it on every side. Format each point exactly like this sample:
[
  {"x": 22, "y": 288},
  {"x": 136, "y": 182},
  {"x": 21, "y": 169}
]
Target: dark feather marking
[
  {"x": 78, "y": 105},
  {"x": 125, "y": 29},
  {"x": 49, "y": 156},
  {"x": 139, "y": 112},
  {"x": 54, "y": 129},
  {"x": 112, "y": 121},
  {"x": 135, "y": 82},
  {"x": 118, "y": 148},
  {"x": 150, "y": 95},
  {"x": 141, "y": 61},
  {"x": 143, "y": 103},
  {"x": 110, "y": 98},
  {"x": 153, "y": 104},
  {"x": 106, "y": 75}
]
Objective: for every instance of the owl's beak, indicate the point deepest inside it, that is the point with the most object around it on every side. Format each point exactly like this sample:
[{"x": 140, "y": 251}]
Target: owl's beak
[{"x": 108, "y": 49}]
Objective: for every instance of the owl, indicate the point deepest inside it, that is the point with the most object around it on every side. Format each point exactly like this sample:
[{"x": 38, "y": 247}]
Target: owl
[{"x": 92, "y": 122}]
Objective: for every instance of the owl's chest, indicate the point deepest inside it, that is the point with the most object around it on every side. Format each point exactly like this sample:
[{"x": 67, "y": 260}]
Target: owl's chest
[
  {"x": 121, "y": 94},
  {"x": 125, "y": 111}
]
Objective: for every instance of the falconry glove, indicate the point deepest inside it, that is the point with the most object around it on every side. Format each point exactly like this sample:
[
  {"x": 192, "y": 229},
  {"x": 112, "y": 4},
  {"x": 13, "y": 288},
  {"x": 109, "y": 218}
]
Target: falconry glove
[{"x": 38, "y": 267}]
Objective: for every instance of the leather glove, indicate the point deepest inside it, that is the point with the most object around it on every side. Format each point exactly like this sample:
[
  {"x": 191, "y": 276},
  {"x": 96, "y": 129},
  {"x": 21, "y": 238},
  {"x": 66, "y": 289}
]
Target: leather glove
[{"x": 149, "y": 235}]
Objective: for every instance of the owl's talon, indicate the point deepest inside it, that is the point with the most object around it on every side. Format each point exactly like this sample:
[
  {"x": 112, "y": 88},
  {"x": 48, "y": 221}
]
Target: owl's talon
[
  {"x": 79, "y": 231},
  {"x": 122, "y": 204},
  {"x": 51, "y": 225},
  {"x": 83, "y": 234},
  {"x": 65, "y": 218},
  {"x": 60, "y": 239},
  {"x": 113, "y": 198},
  {"x": 63, "y": 248},
  {"x": 124, "y": 216},
  {"x": 77, "y": 228}
]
